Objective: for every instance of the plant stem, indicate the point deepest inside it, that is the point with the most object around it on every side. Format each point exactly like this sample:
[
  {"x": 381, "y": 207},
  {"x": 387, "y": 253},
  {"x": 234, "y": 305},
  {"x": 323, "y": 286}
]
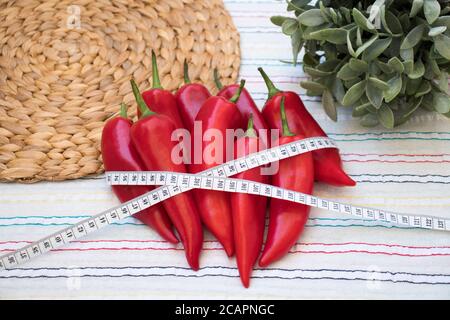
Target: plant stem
[
  {"x": 155, "y": 74},
  {"x": 270, "y": 86},
  {"x": 145, "y": 111},
  {"x": 236, "y": 96},
  {"x": 123, "y": 110},
  {"x": 186, "y": 72},
  {"x": 286, "y": 132},
  {"x": 219, "y": 84}
]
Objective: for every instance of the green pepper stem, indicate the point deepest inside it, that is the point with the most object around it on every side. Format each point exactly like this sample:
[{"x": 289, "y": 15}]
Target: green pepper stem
[
  {"x": 236, "y": 96},
  {"x": 145, "y": 111},
  {"x": 186, "y": 72},
  {"x": 123, "y": 110},
  {"x": 286, "y": 132},
  {"x": 155, "y": 73},
  {"x": 219, "y": 84},
  {"x": 250, "y": 132},
  {"x": 270, "y": 86}
]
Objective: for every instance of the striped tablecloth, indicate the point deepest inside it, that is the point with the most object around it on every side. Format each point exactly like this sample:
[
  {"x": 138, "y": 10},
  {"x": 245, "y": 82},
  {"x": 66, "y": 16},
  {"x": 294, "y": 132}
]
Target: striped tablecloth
[{"x": 405, "y": 170}]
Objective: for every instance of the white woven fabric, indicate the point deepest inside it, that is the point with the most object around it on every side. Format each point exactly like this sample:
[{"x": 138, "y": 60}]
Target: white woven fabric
[{"x": 406, "y": 170}]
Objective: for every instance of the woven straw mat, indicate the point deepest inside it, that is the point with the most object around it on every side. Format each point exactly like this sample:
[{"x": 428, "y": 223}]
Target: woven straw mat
[{"x": 65, "y": 67}]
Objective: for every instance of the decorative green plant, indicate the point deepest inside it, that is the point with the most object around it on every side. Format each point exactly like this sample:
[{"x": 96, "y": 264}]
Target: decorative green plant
[{"x": 385, "y": 59}]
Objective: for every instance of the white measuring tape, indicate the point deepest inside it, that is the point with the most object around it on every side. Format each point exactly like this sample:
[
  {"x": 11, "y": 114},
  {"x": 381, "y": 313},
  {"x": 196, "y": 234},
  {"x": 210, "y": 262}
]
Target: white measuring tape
[{"x": 173, "y": 183}]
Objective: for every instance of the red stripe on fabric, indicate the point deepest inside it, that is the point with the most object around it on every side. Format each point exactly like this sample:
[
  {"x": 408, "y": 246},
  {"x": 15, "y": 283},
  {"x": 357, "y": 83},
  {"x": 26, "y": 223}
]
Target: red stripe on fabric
[
  {"x": 215, "y": 241},
  {"x": 220, "y": 249},
  {"x": 397, "y": 161},
  {"x": 396, "y": 154}
]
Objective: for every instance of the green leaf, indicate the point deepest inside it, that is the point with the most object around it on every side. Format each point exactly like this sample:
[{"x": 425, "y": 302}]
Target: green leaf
[
  {"x": 376, "y": 49},
  {"x": 329, "y": 105},
  {"x": 362, "y": 21},
  {"x": 308, "y": 30},
  {"x": 361, "y": 109},
  {"x": 359, "y": 41},
  {"x": 379, "y": 83},
  {"x": 347, "y": 73},
  {"x": 395, "y": 86},
  {"x": 369, "y": 120},
  {"x": 374, "y": 94},
  {"x": 418, "y": 70},
  {"x": 350, "y": 83},
  {"x": 297, "y": 5},
  {"x": 350, "y": 46},
  {"x": 278, "y": 20},
  {"x": 391, "y": 23},
  {"x": 338, "y": 90},
  {"x": 413, "y": 37},
  {"x": 437, "y": 31},
  {"x": 335, "y": 16},
  {"x": 442, "y": 45},
  {"x": 359, "y": 113},
  {"x": 335, "y": 35},
  {"x": 384, "y": 67},
  {"x": 386, "y": 116},
  {"x": 424, "y": 88},
  {"x": 416, "y": 7},
  {"x": 410, "y": 107},
  {"x": 358, "y": 65},
  {"x": 432, "y": 10},
  {"x": 354, "y": 94},
  {"x": 315, "y": 72},
  {"x": 441, "y": 102},
  {"x": 409, "y": 66},
  {"x": 310, "y": 59},
  {"x": 405, "y": 21},
  {"x": 312, "y": 85},
  {"x": 405, "y": 81},
  {"x": 325, "y": 12},
  {"x": 346, "y": 14},
  {"x": 311, "y": 18},
  {"x": 313, "y": 93},
  {"x": 413, "y": 108},
  {"x": 365, "y": 46},
  {"x": 443, "y": 21},
  {"x": 427, "y": 102},
  {"x": 396, "y": 64},
  {"x": 289, "y": 26},
  {"x": 297, "y": 44},
  {"x": 407, "y": 54},
  {"x": 443, "y": 82},
  {"x": 434, "y": 66},
  {"x": 412, "y": 85}
]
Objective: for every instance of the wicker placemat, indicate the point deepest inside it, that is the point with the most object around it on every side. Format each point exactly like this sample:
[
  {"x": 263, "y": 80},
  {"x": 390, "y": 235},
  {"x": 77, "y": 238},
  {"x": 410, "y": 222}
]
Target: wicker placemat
[{"x": 65, "y": 66}]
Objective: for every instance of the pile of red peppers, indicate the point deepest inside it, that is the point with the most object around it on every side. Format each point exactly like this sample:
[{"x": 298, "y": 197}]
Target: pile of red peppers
[{"x": 237, "y": 220}]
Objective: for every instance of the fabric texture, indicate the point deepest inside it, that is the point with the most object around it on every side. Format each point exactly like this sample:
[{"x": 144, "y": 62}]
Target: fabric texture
[{"x": 338, "y": 256}]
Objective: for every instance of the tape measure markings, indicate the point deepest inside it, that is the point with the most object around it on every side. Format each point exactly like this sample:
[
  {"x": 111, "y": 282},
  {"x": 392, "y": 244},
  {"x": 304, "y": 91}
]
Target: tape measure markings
[
  {"x": 173, "y": 183},
  {"x": 192, "y": 181}
]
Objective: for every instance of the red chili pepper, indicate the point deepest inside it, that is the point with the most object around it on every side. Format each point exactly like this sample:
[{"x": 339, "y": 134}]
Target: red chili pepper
[
  {"x": 220, "y": 114},
  {"x": 161, "y": 101},
  {"x": 190, "y": 98},
  {"x": 327, "y": 162},
  {"x": 151, "y": 136},
  {"x": 246, "y": 106},
  {"x": 248, "y": 210},
  {"x": 287, "y": 219},
  {"x": 119, "y": 154}
]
